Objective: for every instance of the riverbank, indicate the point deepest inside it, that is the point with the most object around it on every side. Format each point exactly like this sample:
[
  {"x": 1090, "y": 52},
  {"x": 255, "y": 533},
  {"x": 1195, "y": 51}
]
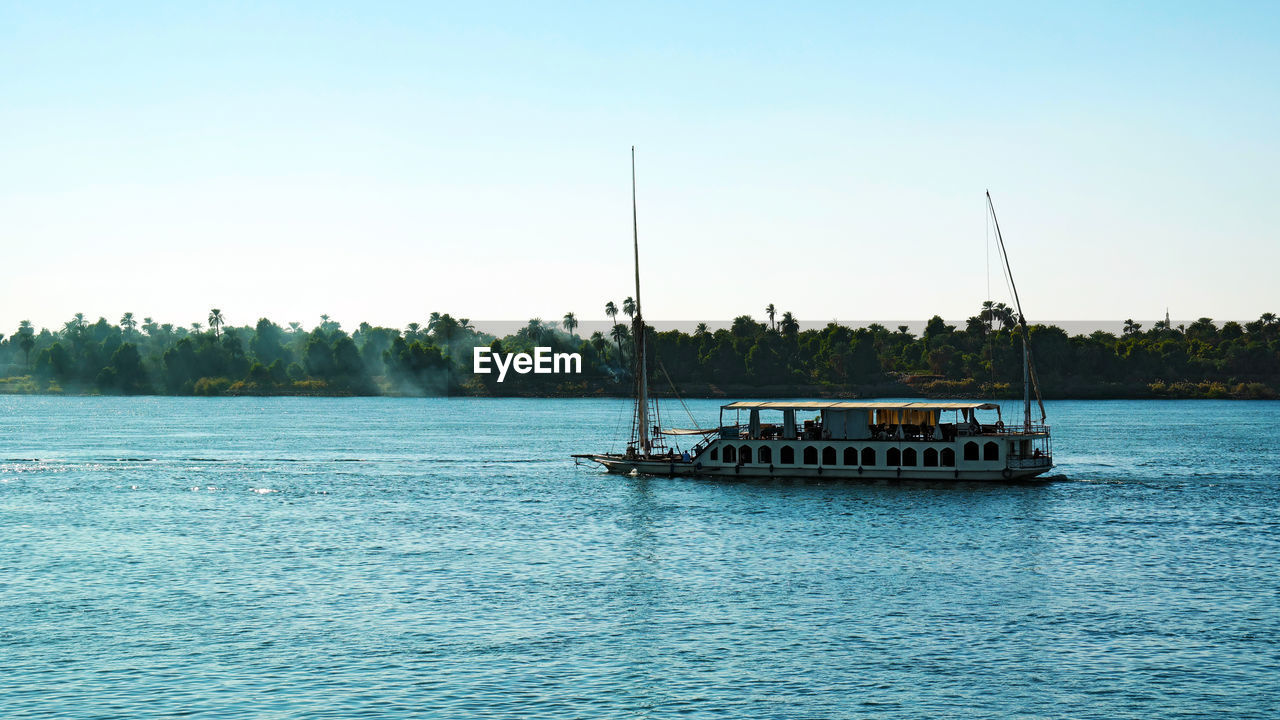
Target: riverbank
[{"x": 924, "y": 388}]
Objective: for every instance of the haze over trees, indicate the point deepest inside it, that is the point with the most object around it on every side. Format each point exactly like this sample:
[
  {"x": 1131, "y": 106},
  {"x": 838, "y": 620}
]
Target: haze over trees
[{"x": 749, "y": 358}]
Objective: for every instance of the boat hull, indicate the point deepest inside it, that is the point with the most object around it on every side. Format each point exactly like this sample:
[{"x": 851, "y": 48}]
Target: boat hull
[{"x": 621, "y": 465}]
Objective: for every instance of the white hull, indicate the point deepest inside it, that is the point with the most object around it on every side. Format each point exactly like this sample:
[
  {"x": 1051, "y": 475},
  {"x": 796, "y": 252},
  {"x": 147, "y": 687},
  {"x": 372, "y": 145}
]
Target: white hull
[{"x": 618, "y": 464}]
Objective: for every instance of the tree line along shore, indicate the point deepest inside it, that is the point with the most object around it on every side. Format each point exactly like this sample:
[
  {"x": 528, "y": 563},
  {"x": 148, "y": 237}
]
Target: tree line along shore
[{"x": 751, "y": 358}]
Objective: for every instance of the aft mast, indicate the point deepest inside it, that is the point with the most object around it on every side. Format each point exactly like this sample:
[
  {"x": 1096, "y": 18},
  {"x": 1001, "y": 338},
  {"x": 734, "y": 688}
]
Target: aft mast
[
  {"x": 1029, "y": 379},
  {"x": 637, "y": 331}
]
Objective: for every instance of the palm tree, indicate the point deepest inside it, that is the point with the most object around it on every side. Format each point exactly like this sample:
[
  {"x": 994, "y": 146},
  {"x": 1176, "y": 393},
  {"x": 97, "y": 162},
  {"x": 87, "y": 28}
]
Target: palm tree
[
  {"x": 1131, "y": 327},
  {"x": 195, "y": 328},
  {"x": 612, "y": 311},
  {"x": 570, "y": 323},
  {"x": 700, "y": 330},
  {"x": 1268, "y": 319},
  {"x": 295, "y": 327},
  {"x": 771, "y": 311},
  {"x": 26, "y": 340},
  {"x": 128, "y": 323},
  {"x": 599, "y": 343},
  {"x": 629, "y": 308},
  {"x": 149, "y": 326},
  {"x": 790, "y": 326},
  {"x": 619, "y": 333},
  {"x": 411, "y": 331},
  {"x": 216, "y": 321}
]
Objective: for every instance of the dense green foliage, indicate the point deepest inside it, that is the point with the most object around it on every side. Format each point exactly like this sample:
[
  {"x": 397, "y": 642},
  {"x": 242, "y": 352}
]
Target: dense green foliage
[{"x": 748, "y": 358}]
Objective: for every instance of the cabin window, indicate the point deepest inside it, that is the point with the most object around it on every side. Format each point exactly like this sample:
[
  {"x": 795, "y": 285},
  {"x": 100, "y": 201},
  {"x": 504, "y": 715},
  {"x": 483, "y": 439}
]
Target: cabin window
[
  {"x": 909, "y": 457},
  {"x": 730, "y": 454},
  {"x": 850, "y": 456},
  {"x": 869, "y": 456},
  {"x": 811, "y": 455},
  {"x": 765, "y": 455},
  {"x": 744, "y": 454},
  {"x": 787, "y": 455},
  {"x": 930, "y": 457},
  {"x": 893, "y": 457},
  {"x": 991, "y": 451},
  {"x": 971, "y": 451},
  {"x": 948, "y": 457},
  {"x": 828, "y": 455}
]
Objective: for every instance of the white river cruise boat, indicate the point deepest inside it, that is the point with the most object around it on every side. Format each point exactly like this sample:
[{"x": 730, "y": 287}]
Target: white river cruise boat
[{"x": 865, "y": 440}]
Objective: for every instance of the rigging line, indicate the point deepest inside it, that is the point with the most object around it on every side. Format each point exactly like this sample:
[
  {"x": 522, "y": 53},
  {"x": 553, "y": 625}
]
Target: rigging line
[
  {"x": 1022, "y": 318},
  {"x": 670, "y": 382}
]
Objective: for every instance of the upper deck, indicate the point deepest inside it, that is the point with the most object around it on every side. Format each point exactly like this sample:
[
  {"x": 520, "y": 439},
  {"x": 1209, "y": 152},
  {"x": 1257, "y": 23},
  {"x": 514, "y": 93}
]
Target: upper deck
[{"x": 868, "y": 420}]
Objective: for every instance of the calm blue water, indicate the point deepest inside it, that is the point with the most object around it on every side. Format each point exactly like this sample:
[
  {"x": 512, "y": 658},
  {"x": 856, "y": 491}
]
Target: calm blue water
[{"x": 296, "y": 557}]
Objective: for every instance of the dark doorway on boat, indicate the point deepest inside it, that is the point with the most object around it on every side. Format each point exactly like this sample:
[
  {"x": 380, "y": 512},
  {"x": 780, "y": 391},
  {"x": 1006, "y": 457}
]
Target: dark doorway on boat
[
  {"x": 869, "y": 457},
  {"x": 765, "y": 455},
  {"x": 715, "y": 453},
  {"x": 787, "y": 455},
  {"x": 948, "y": 457},
  {"x": 991, "y": 451},
  {"x": 971, "y": 451},
  {"x": 850, "y": 456},
  {"x": 730, "y": 454},
  {"x": 893, "y": 457},
  {"x": 828, "y": 455},
  {"x": 909, "y": 457},
  {"x": 930, "y": 457},
  {"x": 744, "y": 454},
  {"x": 811, "y": 455}
]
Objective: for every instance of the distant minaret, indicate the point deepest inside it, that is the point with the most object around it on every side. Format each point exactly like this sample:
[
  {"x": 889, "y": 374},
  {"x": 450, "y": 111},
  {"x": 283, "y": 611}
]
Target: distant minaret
[{"x": 1167, "y": 324}]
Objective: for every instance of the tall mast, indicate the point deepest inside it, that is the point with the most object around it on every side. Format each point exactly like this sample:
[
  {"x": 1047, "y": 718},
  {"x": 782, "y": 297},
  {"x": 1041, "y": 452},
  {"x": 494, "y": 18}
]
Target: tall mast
[
  {"x": 642, "y": 380},
  {"x": 1029, "y": 379}
]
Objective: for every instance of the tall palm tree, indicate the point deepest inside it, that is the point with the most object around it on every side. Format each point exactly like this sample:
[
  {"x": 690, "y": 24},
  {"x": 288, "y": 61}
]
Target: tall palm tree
[
  {"x": 619, "y": 334},
  {"x": 216, "y": 321},
  {"x": 295, "y": 327},
  {"x": 700, "y": 330},
  {"x": 570, "y": 323},
  {"x": 612, "y": 311},
  {"x": 195, "y": 328},
  {"x": 629, "y": 307},
  {"x": 1131, "y": 327},
  {"x": 128, "y": 323},
  {"x": 790, "y": 326},
  {"x": 411, "y": 331},
  {"x": 771, "y": 311},
  {"x": 26, "y": 340},
  {"x": 1268, "y": 318}
]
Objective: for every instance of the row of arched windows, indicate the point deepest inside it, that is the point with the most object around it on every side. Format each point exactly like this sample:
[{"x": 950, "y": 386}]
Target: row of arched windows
[{"x": 893, "y": 457}]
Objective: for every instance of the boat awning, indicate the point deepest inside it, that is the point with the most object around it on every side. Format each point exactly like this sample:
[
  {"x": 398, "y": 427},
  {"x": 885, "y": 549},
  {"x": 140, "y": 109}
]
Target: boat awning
[
  {"x": 859, "y": 405},
  {"x": 687, "y": 431}
]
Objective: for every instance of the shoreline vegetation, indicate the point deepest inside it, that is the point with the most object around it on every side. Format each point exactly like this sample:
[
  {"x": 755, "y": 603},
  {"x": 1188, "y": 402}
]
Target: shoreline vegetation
[{"x": 771, "y": 358}]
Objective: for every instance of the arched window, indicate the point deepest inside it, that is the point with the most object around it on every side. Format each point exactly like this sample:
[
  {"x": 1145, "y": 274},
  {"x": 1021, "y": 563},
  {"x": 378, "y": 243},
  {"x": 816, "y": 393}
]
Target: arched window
[
  {"x": 971, "y": 450},
  {"x": 869, "y": 457},
  {"x": 892, "y": 457},
  {"x": 765, "y": 454},
  {"x": 787, "y": 455},
  {"x": 744, "y": 454},
  {"x": 730, "y": 454},
  {"x": 811, "y": 455},
  {"x": 948, "y": 457},
  {"x": 930, "y": 457},
  {"x": 850, "y": 456},
  {"x": 991, "y": 451},
  {"x": 715, "y": 453},
  {"x": 828, "y": 455},
  {"x": 909, "y": 457}
]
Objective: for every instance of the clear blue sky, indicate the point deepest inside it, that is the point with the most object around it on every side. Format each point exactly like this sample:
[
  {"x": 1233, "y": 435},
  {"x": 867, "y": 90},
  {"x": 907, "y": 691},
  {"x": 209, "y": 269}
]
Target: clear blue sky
[{"x": 377, "y": 161}]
